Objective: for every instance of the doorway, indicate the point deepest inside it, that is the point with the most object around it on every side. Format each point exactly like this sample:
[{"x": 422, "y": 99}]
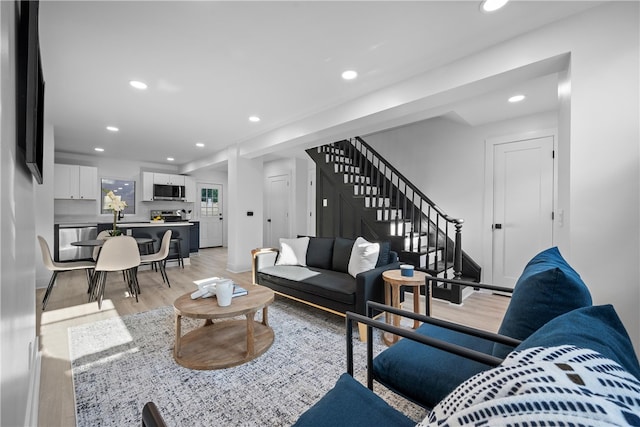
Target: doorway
[
  {"x": 210, "y": 214},
  {"x": 519, "y": 205},
  {"x": 277, "y": 210}
]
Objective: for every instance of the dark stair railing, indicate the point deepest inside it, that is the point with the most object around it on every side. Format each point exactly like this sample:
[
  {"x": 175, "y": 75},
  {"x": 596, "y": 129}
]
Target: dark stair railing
[{"x": 425, "y": 228}]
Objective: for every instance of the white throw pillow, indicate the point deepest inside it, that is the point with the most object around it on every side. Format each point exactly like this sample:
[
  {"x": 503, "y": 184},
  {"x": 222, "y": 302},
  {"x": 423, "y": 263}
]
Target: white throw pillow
[
  {"x": 364, "y": 256},
  {"x": 293, "y": 251}
]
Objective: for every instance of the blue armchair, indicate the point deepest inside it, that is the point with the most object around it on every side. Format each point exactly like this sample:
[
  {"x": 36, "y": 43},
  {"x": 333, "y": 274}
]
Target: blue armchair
[{"x": 437, "y": 357}]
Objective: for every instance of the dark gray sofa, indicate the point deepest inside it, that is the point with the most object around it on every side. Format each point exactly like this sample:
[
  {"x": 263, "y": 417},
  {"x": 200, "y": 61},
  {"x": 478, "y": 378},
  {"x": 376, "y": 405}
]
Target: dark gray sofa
[{"x": 325, "y": 282}]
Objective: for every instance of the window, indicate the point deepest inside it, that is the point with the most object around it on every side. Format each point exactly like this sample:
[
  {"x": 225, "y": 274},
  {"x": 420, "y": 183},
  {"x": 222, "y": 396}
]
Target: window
[
  {"x": 209, "y": 205},
  {"x": 125, "y": 189}
]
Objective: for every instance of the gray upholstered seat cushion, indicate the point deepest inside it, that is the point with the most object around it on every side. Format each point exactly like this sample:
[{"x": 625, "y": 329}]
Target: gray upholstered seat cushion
[{"x": 316, "y": 281}]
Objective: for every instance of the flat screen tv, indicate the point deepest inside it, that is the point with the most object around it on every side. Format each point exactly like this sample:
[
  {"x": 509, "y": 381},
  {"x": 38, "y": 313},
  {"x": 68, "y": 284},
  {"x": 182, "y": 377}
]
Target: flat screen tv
[{"x": 29, "y": 89}]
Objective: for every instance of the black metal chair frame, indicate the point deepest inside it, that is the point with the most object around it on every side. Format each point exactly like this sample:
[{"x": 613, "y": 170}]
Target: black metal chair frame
[
  {"x": 371, "y": 324},
  {"x": 151, "y": 416}
]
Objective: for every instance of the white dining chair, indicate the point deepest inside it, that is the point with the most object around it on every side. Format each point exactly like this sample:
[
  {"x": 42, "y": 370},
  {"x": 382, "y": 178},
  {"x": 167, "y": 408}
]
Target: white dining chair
[
  {"x": 159, "y": 257},
  {"x": 59, "y": 267},
  {"x": 118, "y": 253},
  {"x": 103, "y": 235}
]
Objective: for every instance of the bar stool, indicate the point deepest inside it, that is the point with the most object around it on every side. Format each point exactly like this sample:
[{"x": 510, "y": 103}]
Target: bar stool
[
  {"x": 176, "y": 242},
  {"x": 146, "y": 244}
]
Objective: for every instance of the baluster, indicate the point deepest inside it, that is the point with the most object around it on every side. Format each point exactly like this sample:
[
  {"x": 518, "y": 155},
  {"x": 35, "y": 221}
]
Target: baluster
[
  {"x": 352, "y": 155},
  {"x": 413, "y": 218},
  {"x": 457, "y": 257},
  {"x": 385, "y": 189},
  {"x": 371, "y": 175},
  {"x": 420, "y": 226},
  {"x": 446, "y": 249},
  {"x": 437, "y": 237}
]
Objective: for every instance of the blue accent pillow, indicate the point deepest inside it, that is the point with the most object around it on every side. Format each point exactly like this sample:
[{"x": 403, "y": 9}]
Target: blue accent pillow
[
  {"x": 351, "y": 404},
  {"x": 597, "y": 328},
  {"x": 383, "y": 256},
  {"x": 547, "y": 288},
  {"x": 320, "y": 252}
]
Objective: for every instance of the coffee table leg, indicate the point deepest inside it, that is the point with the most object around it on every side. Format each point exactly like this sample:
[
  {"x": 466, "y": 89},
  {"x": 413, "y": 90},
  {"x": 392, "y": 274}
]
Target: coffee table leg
[
  {"x": 265, "y": 316},
  {"x": 250, "y": 341},
  {"x": 176, "y": 347}
]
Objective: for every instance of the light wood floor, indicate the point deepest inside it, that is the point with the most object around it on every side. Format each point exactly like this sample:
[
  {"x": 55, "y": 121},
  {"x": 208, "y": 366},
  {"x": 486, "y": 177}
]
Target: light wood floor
[{"x": 68, "y": 307}]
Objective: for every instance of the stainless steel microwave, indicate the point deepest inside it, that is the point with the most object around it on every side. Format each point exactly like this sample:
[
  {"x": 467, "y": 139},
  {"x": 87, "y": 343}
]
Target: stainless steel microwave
[{"x": 168, "y": 192}]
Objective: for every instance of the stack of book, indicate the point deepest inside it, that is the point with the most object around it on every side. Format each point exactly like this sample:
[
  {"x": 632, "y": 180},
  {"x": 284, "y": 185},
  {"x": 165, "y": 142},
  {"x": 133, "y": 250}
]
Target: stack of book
[{"x": 238, "y": 291}]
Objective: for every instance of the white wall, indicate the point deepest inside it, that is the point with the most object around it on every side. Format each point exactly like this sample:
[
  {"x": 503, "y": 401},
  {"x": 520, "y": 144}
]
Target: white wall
[
  {"x": 599, "y": 172},
  {"x": 445, "y": 160},
  {"x": 17, "y": 248},
  {"x": 44, "y": 213},
  {"x": 297, "y": 170},
  {"x": 245, "y": 194}
]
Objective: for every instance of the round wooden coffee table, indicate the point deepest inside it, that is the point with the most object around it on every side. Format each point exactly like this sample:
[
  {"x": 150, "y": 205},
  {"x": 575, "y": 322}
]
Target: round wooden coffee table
[{"x": 228, "y": 342}]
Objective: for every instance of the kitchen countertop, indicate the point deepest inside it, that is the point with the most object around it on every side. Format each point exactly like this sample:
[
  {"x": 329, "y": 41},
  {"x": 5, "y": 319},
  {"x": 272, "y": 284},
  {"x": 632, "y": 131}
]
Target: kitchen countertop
[
  {"x": 154, "y": 224},
  {"x": 82, "y": 223}
]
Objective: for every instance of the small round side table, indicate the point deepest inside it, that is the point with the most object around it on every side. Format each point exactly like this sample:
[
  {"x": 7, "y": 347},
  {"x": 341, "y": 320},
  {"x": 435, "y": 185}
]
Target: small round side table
[{"x": 393, "y": 281}]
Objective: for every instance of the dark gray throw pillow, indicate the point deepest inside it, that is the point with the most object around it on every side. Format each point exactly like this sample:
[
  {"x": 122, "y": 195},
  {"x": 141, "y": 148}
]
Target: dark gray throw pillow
[
  {"x": 341, "y": 254},
  {"x": 320, "y": 252},
  {"x": 383, "y": 257}
]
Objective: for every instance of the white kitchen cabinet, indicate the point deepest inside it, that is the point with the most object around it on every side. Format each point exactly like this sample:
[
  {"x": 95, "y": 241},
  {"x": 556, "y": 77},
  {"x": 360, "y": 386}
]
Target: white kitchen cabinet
[
  {"x": 189, "y": 189},
  {"x": 146, "y": 182},
  {"x": 168, "y": 179},
  {"x": 74, "y": 182}
]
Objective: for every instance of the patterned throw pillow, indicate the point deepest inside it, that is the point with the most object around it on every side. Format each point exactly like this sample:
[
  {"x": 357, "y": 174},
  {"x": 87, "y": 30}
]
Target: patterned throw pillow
[{"x": 555, "y": 386}]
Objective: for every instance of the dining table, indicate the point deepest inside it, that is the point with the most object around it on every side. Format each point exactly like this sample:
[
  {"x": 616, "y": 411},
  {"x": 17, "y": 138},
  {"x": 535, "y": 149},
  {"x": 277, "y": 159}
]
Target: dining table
[
  {"x": 88, "y": 243},
  {"x": 92, "y": 243}
]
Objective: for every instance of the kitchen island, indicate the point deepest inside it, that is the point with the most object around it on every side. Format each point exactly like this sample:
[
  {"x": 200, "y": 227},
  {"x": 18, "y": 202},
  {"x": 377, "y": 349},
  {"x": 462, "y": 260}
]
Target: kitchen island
[{"x": 155, "y": 230}]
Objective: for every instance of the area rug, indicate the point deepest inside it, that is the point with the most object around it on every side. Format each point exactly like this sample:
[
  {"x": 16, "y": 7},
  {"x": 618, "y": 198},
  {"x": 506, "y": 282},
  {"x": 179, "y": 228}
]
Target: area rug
[{"x": 120, "y": 364}]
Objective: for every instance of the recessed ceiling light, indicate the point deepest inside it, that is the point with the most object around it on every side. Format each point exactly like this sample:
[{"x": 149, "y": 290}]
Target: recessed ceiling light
[
  {"x": 254, "y": 119},
  {"x": 138, "y": 84},
  {"x": 171, "y": 159},
  {"x": 349, "y": 74},
  {"x": 492, "y": 5},
  {"x": 516, "y": 98},
  {"x": 99, "y": 149},
  {"x": 112, "y": 129},
  {"x": 200, "y": 144}
]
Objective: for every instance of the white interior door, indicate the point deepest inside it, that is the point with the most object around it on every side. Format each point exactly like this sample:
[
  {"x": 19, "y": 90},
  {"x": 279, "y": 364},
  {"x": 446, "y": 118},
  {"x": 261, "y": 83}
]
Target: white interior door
[
  {"x": 210, "y": 214},
  {"x": 277, "y": 210},
  {"x": 523, "y": 192}
]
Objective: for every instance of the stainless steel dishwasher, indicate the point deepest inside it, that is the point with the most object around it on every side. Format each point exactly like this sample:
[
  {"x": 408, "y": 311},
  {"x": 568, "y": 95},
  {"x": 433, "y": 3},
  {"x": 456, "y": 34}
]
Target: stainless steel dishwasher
[{"x": 73, "y": 233}]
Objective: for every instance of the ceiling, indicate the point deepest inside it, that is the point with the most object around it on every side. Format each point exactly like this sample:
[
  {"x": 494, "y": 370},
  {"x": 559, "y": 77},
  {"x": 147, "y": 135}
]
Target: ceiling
[{"x": 210, "y": 65}]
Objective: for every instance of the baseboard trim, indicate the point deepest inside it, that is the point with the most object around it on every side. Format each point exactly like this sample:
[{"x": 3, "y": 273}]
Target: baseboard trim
[{"x": 33, "y": 395}]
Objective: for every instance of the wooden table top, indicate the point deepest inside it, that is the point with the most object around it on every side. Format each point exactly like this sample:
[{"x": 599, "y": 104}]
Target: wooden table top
[
  {"x": 208, "y": 308},
  {"x": 395, "y": 277}
]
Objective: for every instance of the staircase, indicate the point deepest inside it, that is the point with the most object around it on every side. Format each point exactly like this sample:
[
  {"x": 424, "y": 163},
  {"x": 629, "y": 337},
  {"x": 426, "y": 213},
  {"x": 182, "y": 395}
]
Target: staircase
[{"x": 360, "y": 194}]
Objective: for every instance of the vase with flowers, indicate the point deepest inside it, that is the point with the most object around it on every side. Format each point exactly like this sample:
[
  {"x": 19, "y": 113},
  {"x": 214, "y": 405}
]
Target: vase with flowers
[{"x": 113, "y": 202}]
